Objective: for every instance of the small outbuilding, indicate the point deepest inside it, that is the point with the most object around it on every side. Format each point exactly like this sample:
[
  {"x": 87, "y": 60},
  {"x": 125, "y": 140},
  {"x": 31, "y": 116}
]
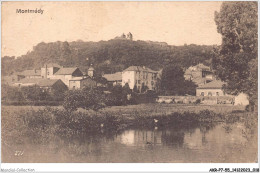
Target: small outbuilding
[
  {"x": 213, "y": 88},
  {"x": 48, "y": 84},
  {"x": 81, "y": 82}
]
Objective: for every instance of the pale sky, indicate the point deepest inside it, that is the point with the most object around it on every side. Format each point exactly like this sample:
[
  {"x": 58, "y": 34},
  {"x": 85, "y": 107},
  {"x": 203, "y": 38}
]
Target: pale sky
[{"x": 175, "y": 23}]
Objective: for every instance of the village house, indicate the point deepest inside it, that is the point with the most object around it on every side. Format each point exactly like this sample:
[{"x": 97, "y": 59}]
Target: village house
[
  {"x": 47, "y": 84},
  {"x": 114, "y": 79},
  {"x": 79, "y": 82},
  {"x": 66, "y": 74},
  {"x": 72, "y": 77},
  {"x": 32, "y": 74},
  {"x": 199, "y": 74},
  {"x": 48, "y": 70},
  {"x": 138, "y": 76},
  {"x": 213, "y": 88}
]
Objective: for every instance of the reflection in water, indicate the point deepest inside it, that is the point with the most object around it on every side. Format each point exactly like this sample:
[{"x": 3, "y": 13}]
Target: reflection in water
[{"x": 203, "y": 143}]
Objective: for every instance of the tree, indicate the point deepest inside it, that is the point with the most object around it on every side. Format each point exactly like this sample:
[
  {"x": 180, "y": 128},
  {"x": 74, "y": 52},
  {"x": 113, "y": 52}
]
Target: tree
[
  {"x": 173, "y": 82},
  {"x": 87, "y": 98},
  {"x": 35, "y": 93},
  {"x": 93, "y": 99},
  {"x": 73, "y": 100},
  {"x": 135, "y": 89},
  {"x": 144, "y": 88},
  {"x": 118, "y": 95},
  {"x": 236, "y": 60},
  {"x": 9, "y": 93}
]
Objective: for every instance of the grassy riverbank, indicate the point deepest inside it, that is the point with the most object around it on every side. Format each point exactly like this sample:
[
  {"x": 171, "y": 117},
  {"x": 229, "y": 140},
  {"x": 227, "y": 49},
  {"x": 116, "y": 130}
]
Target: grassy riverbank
[
  {"x": 43, "y": 125},
  {"x": 57, "y": 120}
]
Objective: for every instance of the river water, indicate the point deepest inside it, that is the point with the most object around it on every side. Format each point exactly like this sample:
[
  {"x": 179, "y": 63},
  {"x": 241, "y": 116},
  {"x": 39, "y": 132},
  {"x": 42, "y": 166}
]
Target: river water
[{"x": 181, "y": 144}]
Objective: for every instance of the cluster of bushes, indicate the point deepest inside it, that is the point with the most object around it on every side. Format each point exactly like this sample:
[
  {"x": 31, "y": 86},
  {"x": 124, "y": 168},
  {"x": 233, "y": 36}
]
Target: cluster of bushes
[
  {"x": 31, "y": 95},
  {"x": 118, "y": 96},
  {"x": 98, "y": 98},
  {"x": 62, "y": 122}
]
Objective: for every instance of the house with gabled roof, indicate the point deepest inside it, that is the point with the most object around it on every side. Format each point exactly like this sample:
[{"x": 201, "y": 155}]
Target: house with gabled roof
[
  {"x": 81, "y": 82},
  {"x": 72, "y": 77},
  {"x": 213, "y": 88},
  {"x": 48, "y": 84},
  {"x": 114, "y": 79},
  {"x": 200, "y": 74},
  {"x": 48, "y": 70},
  {"x": 140, "y": 76},
  {"x": 35, "y": 73},
  {"x": 66, "y": 74}
]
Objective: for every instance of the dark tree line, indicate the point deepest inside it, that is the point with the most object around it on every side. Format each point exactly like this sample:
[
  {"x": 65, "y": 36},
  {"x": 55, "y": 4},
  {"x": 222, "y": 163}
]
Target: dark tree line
[{"x": 108, "y": 56}]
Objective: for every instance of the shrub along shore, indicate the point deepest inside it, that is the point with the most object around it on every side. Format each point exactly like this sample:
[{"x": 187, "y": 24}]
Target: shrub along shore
[{"x": 59, "y": 121}]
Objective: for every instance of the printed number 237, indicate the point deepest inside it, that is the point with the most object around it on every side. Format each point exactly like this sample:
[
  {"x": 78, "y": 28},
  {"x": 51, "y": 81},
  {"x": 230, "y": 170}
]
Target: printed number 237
[{"x": 18, "y": 153}]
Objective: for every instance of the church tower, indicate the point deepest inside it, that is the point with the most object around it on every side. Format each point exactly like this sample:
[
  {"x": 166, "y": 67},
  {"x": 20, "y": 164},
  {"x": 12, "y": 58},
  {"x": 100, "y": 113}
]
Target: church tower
[
  {"x": 130, "y": 36},
  {"x": 91, "y": 71}
]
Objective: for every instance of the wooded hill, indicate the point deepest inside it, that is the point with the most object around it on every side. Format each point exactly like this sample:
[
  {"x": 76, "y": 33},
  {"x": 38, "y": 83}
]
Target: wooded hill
[{"x": 108, "y": 56}]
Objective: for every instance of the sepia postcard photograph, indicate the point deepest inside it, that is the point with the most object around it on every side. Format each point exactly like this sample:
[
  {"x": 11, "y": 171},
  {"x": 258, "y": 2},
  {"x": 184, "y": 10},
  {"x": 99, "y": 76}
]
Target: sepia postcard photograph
[{"x": 129, "y": 82}]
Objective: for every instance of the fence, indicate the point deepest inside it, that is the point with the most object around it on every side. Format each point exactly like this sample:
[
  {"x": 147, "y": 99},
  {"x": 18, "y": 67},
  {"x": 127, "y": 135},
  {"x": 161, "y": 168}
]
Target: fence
[{"x": 196, "y": 99}]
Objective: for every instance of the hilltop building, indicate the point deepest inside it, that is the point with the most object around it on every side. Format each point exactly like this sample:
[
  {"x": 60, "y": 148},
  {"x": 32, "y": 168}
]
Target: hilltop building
[{"x": 129, "y": 36}]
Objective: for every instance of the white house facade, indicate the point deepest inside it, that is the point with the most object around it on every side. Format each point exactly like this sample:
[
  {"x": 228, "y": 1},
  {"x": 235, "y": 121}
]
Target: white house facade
[{"x": 138, "y": 76}]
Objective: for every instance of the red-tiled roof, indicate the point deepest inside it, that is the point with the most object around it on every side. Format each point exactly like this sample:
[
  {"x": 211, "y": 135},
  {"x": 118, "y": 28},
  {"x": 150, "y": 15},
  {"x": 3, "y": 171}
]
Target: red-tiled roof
[
  {"x": 30, "y": 73},
  {"x": 40, "y": 82},
  {"x": 139, "y": 68},
  {"x": 66, "y": 71},
  {"x": 113, "y": 77},
  {"x": 216, "y": 84}
]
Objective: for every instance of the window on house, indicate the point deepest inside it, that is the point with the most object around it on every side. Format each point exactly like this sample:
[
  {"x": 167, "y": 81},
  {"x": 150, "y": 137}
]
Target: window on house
[
  {"x": 139, "y": 81},
  {"x": 217, "y": 93},
  {"x": 202, "y": 93},
  {"x": 74, "y": 87},
  {"x": 210, "y": 94}
]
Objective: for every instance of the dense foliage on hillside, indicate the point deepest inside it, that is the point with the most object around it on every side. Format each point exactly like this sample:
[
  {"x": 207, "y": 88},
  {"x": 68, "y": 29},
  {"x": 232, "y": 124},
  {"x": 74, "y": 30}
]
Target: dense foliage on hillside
[{"x": 108, "y": 56}]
